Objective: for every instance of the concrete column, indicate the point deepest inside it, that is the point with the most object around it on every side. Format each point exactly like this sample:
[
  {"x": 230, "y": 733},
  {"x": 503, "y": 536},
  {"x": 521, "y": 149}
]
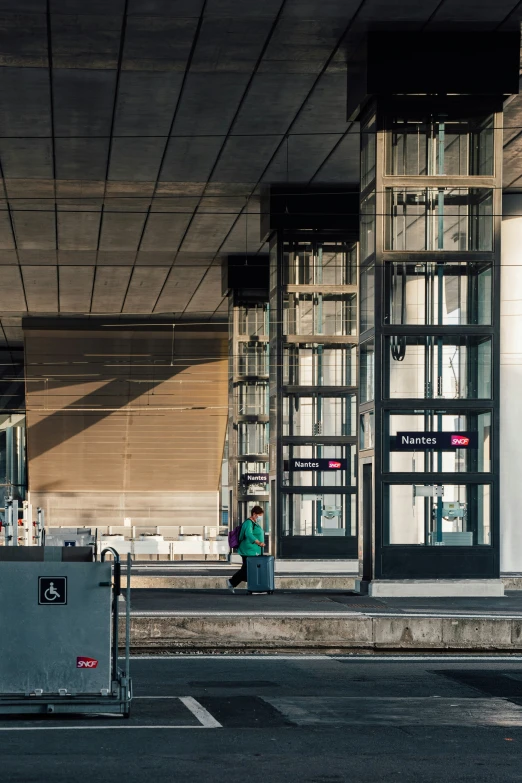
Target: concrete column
[{"x": 511, "y": 386}]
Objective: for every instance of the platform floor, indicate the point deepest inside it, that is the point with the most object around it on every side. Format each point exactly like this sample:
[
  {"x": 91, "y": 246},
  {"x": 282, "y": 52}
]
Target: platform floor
[
  {"x": 312, "y": 719},
  {"x": 145, "y": 601}
]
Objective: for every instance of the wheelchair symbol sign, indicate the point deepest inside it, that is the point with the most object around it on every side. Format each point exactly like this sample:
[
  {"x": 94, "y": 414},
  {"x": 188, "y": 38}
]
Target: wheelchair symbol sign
[{"x": 52, "y": 590}]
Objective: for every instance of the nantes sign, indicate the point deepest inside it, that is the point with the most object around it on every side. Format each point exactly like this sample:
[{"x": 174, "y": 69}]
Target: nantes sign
[
  {"x": 438, "y": 441},
  {"x": 315, "y": 464}
]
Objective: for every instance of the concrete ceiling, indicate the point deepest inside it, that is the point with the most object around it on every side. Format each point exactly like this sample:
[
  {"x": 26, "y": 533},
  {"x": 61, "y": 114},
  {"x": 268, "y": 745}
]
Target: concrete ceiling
[{"x": 135, "y": 135}]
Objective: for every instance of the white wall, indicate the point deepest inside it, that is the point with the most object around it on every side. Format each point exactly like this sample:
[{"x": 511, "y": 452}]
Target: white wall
[{"x": 511, "y": 386}]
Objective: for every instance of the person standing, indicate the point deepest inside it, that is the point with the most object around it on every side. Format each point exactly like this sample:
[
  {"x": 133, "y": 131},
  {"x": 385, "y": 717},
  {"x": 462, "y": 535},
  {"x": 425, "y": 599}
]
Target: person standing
[{"x": 251, "y": 543}]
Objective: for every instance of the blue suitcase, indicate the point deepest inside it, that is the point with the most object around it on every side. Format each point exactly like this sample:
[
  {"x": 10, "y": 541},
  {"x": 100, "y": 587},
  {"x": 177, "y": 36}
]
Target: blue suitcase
[{"x": 260, "y": 574}]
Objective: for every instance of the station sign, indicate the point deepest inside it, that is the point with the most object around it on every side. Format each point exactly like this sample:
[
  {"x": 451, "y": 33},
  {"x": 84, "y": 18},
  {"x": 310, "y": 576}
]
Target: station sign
[
  {"x": 256, "y": 478},
  {"x": 330, "y": 465},
  {"x": 436, "y": 441}
]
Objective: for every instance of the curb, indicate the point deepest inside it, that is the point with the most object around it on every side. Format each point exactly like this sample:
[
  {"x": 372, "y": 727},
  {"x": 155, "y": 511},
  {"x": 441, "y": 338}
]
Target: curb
[{"x": 358, "y": 633}]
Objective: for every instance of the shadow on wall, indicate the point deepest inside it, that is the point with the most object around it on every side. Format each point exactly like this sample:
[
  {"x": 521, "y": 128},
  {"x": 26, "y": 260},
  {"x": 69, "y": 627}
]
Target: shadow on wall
[{"x": 119, "y": 411}]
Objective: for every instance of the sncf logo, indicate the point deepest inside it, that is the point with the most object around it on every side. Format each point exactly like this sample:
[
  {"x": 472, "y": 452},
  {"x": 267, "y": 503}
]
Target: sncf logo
[
  {"x": 86, "y": 663},
  {"x": 459, "y": 440},
  {"x": 334, "y": 464}
]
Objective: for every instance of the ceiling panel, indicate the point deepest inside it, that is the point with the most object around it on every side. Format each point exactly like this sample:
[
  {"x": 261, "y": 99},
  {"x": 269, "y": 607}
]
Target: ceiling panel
[
  {"x": 85, "y": 39},
  {"x": 76, "y": 288},
  {"x": 146, "y": 103},
  {"x": 343, "y": 163},
  {"x": 12, "y": 297},
  {"x": 299, "y": 158},
  {"x": 275, "y": 97},
  {"x": 94, "y": 6},
  {"x": 35, "y": 229},
  {"x": 81, "y": 158},
  {"x": 30, "y": 158},
  {"x": 25, "y": 102},
  {"x": 325, "y": 109},
  {"x": 121, "y": 230},
  {"x": 158, "y": 43},
  {"x": 83, "y": 101},
  {"x": 145, "y": 287},
  {"x": 41, "y": 288},
  {"x": 209, "y": 103},
  {"x": 190, "y": 159},
  {"x": 207, "y": 296},
  {"x": 6, "y": 233},
  {"x": 165, "y": 7},
  {"x": 136, "y": 159},
  {"x": 23, "y": 39},
  {"x": 244, "y": 236},
  {"x": 179, "y": 288},
  {"x": 164, "y": 231},
  {"x": 78, "y": 230},
  {"x": 110, "y": 288},
  {"x": 244, "y": 158},
  {"x": 207, "y": 232}
]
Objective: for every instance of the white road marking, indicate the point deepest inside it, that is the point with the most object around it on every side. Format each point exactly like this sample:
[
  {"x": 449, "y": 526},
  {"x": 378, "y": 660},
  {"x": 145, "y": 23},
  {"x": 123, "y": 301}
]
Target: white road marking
[
  {"x": 205, "y": 718},
  {"x": 92, "y": 728}
]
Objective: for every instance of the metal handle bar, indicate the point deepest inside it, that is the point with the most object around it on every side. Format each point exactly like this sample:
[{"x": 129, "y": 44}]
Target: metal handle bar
[
  {"x": 113, "y": 552},
  {"x": 115, "y": 607}
]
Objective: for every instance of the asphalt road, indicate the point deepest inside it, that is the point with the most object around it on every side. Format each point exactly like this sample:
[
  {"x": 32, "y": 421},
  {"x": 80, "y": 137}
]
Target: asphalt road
[{"x": 309, "y": 719}]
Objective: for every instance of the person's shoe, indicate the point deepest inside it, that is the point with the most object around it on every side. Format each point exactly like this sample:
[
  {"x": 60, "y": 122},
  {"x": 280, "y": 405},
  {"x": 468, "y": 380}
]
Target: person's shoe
[{"x": 230, "y": 586}]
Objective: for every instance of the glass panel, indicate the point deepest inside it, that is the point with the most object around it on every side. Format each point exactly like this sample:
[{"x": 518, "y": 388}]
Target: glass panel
[
  {"x": 443, "y": 367},
  {"x": 273, "y": 263},
  {"x": 12, "y": 456},
  {"x": 449, "y": 515},
  {"x": 367, "y": 223},
  {"x": 366, "y": 430},
  {"x": 13, "y": 423},
  {"x": 367, "y": 297},
  {"x": 318, "y": 415},
  {"x": 12, "y": 381},
  {"x": 457, "y": 461},
  {"x": 319, "y": 514},
  {"x": 313, "y": 478},
  {"x": 319, "y": 365},
  {"x": 253, "y": 320},
  {"x": 320, "y": 314},
  {"x": 252, "y": 399},
  {"x": 331, "y": 263},
  {"x": 252, "y": 358},
  {"x": 252, "y": 437},
  {"x": 455, "y": 219},
  {"x": 482, "y": 149},
  {"x": 450, "y": 294},
  {"x": 439, "y": 146},
  {"x": 368, "y": 152},
  {"x": 367, "y": 371}
]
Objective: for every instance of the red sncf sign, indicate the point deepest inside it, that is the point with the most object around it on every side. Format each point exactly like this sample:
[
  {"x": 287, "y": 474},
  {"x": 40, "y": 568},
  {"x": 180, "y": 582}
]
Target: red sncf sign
[
  {"x": 459, "y": 440},
  {"x": 86, "y": 663}
]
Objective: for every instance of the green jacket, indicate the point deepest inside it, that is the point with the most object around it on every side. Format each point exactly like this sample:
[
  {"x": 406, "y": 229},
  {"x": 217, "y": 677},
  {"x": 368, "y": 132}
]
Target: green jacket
[{"x": 250, "y": 532}]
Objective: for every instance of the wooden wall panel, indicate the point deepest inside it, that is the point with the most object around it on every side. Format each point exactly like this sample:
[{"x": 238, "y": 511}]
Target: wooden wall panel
[{"x": 126, "y": 410}]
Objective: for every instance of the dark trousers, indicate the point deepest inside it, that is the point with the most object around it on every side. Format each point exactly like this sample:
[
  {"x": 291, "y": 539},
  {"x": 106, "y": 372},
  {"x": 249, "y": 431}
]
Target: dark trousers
[{"x": 241, "y": 575}]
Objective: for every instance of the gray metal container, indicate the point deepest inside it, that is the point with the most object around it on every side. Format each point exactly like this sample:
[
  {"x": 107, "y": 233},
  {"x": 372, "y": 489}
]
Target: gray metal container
[{"x": 51, "y": 635}]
